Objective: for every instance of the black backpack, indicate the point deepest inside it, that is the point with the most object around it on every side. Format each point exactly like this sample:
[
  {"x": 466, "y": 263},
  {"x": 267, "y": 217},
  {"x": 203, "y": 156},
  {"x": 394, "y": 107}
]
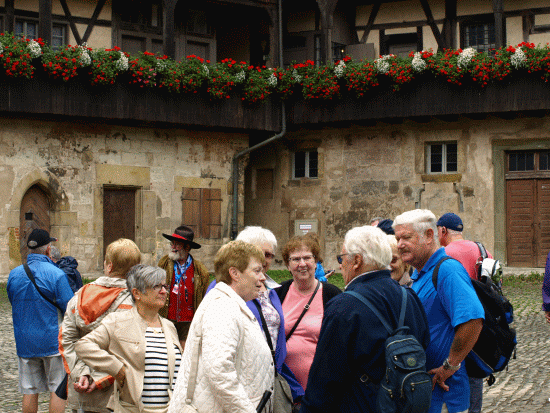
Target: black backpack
[
  {"x": 405, "y": 387},
  {"x": 497, "y": 341}
]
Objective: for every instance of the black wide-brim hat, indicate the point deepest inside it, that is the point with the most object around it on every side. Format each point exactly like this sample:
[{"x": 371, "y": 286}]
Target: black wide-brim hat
[{"x": 183, "y": 234}]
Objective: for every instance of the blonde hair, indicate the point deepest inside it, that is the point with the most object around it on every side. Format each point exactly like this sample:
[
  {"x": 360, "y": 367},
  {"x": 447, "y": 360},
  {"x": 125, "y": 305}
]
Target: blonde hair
[
  {"x": 123, "y": 254},
  {"x": 235, "y": 254}
]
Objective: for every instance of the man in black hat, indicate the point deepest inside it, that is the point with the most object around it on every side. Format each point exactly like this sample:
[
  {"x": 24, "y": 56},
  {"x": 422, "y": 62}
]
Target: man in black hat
[
  {"x": 37, "y": 310},
  {"x": 188, "y": 279}
]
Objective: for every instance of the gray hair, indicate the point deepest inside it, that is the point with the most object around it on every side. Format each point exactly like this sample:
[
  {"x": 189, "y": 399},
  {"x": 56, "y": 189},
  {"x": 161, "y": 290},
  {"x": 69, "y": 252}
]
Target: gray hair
[
  {"x": 376, "y": 219},
  {"x": 420, "y": 219},
  {"x": 40, "y": 250},
  {"x": 257, "y": 236},
  {"x": 371, "y": 243},
  {"x": 55, "y": 254},
  {"x": 143, "y": 276}
]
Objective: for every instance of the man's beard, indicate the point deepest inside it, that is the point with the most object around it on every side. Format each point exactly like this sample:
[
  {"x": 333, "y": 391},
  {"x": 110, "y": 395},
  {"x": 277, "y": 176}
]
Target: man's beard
[{"x": 177, "y": 256}]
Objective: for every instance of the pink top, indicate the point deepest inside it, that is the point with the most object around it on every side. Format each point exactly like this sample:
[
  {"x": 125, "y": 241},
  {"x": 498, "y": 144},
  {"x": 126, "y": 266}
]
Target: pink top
[
  {"x": 467, "y": 253},
  {"x": 300, "y": 348}
]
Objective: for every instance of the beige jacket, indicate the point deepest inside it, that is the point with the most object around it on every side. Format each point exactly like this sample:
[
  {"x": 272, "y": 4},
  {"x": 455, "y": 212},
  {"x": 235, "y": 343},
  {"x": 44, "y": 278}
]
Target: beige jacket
[
  {"x": 120, "y": 341},
  {"x": 235, "y": 366},
  {"x": 201, "y": 282},
  {"x": 85, "y": 311}
]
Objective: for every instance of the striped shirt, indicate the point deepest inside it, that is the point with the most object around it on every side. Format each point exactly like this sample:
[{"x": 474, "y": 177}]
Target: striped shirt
[{"x": 156, "y": 381}]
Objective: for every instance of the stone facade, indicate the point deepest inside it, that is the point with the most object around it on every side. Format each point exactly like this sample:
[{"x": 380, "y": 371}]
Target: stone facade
[
  {"x": 380, "y": 171},
  {"x": 73, "y": 161}
]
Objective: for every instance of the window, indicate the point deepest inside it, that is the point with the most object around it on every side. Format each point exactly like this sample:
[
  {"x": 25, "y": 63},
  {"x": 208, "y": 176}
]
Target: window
[
  {"x": 305, "y": 164},
  {"x": 480, "y": 36},
  {"x": 528, "y": 164},
  {"x": 198, "y": 23},
  {"x": 338, "y": 51},
  {"x": 401, "y": 44},
  {"x": 442, "y": 158},
  {"x": 201, "y": 210},
  {"x": 522, "y": 161},
  {"x": 58, "y": 36},
  {"x": 28, "y": 29}
]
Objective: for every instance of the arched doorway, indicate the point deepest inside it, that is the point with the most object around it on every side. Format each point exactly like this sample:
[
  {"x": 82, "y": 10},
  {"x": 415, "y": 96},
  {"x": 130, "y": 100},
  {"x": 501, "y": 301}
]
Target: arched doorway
[{"x": 34, "y": 213}]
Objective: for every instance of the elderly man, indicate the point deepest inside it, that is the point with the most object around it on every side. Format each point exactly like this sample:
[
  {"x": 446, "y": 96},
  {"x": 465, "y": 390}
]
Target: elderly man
[
  {"x": 351, "y": 343},
  {"x": 449, "y": 229},
  {"x": 188, "y": 280},
  {"x": 454, "y": 312},
  {"x": 37, "y": 310}
]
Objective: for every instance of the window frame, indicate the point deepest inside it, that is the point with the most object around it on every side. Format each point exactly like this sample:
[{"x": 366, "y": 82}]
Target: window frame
[
  {"x": 306, "y": 166},
  {"x": 25, "y": 22},
  {"x": 477, "y": 20},
  {"x": 444, "y": 160},
  {"x": 64, "y": 41},
  {"x": 536, "y": 172},
  {"x": 387, "y": 40}
]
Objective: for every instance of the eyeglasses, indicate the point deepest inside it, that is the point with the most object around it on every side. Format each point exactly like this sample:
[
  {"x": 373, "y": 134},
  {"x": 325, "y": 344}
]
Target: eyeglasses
[
  {"x": 269, "y": 255},
  {"x": 159, "y": 287},
  {"x": 307, "y": 258},
  {"x": 339, "y": 258}
]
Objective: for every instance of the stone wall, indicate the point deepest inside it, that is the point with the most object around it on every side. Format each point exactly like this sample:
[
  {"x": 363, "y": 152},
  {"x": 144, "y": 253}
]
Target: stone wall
[
  {"x": 380, "y": 171},
  {"x": 73, "y": 161}
]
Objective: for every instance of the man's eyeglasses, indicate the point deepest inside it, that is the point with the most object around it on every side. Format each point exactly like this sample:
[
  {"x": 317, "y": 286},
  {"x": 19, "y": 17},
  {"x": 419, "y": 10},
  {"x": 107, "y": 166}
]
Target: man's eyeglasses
[
  {"x": 307, "y": 258},
  {"x": 339, "y": 258},
  {"x": 159, "y": 287}
]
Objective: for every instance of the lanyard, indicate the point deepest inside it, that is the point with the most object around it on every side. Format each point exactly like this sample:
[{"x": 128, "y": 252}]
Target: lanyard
[{"x": 180, "y": 273}]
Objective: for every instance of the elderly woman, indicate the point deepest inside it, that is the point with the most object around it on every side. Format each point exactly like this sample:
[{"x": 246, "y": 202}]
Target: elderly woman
[
  {"x": 138, "y": 348},
  {"x": 304, "y": 299},
  {"x": 399, "y": 269},
  {"x": 227, "y": 365}
]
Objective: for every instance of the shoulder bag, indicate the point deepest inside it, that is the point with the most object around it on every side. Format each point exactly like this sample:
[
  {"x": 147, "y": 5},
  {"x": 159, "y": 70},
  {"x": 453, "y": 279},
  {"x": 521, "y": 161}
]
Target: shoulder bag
[{"x": 306, "y": 307}]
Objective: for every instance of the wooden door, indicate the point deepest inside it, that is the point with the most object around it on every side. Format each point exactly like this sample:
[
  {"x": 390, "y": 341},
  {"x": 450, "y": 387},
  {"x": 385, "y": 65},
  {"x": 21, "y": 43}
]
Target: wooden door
[
  {"x": 34, "y": 213},
  {"x": 528, "y": 222},
  {"x": 119, "y": 215}
]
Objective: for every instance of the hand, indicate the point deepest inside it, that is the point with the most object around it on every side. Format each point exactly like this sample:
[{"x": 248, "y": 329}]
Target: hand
[
  {"x": 440, "y": 375},
  {"x": 547, "y": 315},
  {"x": 85, "y": 384}
]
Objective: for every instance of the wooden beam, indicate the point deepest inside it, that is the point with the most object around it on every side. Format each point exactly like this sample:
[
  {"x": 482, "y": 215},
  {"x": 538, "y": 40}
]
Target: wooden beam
[
  {"x": 449, "y": 24},
  {"x": 169, "y": 10},
  {"x": 431, "y": 23},
  {"x": 45, "y": 20},
  {"x": 72, "y": 24},
  {"x": 10, "y": 16},
  {"x": 372, "y": 17},
  {"x": 91, "y": 24},
  {"x": 498, "y": 10}
]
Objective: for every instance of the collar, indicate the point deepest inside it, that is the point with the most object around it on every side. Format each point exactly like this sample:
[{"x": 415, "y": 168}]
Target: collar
[
  {"x": 38, "y": 258},
  {"x": 430, "y": 264},
  {"x": 226, "y": 289},
  {"x": 365, "y": 276}
]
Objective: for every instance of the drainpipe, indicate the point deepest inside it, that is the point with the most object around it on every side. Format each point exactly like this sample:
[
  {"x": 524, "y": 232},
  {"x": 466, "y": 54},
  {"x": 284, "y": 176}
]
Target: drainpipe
[{"x": 238, "y": 156}]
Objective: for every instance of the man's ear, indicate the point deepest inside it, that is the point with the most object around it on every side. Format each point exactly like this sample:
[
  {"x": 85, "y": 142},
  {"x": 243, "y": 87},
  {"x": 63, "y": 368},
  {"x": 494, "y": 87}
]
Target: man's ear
[
  {"x": 357, "y": 261},
  {"x": 136, "y": 293},
  {"x": 49, "y": 251},
  {"x": 234, "y": 274}
]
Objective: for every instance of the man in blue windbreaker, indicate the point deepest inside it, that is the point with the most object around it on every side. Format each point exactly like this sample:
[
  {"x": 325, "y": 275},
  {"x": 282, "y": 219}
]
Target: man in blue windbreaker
[{"x": 36, "y": 322}]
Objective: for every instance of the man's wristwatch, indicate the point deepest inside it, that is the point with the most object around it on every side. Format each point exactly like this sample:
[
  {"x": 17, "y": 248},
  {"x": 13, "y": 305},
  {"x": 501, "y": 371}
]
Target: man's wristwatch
[{"x": 449, "y": 366}]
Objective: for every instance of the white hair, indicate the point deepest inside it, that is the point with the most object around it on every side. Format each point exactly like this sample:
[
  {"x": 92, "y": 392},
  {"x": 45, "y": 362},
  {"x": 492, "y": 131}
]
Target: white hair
[
  {"x": 420, "y": 219},
  {"x": 371, "y": 243},
  {"x": 257, "y": 236},
  {"x": 392, "y": 240},
  {"x": 55, "y": 254}
]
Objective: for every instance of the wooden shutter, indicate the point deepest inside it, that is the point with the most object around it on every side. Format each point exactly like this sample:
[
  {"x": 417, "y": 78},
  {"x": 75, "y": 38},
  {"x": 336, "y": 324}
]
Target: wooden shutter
[
  {"x": 119, "y": 215},
  {"x": 542, "y": 227},
  {"x": 191, "y": 209},
  {"x": 34, "y": 213},
  {"x": 520, "y": 205}
]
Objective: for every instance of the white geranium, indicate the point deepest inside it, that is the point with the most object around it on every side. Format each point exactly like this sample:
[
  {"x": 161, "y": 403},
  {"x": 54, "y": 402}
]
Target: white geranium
[
  {"x": 1, "y": 48},
  {"x": 272, "y": 80},
  {"x": 518, "y": 58},
  {"x": 296, "y": 77},
  {"x": 239, "y": 77},
  {"x": 161, "y": 65},
  {"x": 382, "y": 64},
  {"x": 418, "y": 63},
  {"x": 466, "y": 57},
  {"x": 340, "y": 68},
  {"x": 206, "y": 70},
  {"x": 122, "y": 63},
  {"x": 84, "y": 59},
  {"x": 36, "y": 50}
]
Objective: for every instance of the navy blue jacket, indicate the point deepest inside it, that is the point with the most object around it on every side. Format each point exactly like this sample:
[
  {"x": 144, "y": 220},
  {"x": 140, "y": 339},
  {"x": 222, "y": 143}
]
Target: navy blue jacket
[
  {"x": 69, "y": 265},
  {"x": 351, "y": 343}
]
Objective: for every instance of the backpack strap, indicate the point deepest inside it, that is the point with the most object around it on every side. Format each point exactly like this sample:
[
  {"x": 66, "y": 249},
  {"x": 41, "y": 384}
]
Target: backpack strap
[
  {"x": 377, "y": 313},
  {"x": 482, "y": 250},
  {"x": 31, "y": 277}
]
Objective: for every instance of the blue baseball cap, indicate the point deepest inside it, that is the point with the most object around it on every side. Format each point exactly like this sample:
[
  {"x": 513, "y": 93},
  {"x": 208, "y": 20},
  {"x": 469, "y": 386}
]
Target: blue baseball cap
[{"x": 450, "y": 221}]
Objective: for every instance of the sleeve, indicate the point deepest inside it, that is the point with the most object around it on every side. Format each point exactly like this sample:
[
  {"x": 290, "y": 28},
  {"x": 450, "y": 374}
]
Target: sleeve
[
  {"x": 546, "y": 286},
  {"x": 63, "y": 291},
  {"x": 92, "y": 350},
  {"x": 457, "y": 294},
  {"x": 220, "y": 335},
  {"x": 330, "y": 371}
]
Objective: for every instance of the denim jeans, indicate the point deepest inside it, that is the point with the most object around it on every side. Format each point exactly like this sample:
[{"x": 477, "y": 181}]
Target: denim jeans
[{"x": 476, "y": 395}]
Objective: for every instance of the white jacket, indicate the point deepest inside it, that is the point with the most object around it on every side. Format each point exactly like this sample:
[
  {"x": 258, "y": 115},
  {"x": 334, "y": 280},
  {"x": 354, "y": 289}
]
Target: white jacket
[{"x": 235, "y": 366}]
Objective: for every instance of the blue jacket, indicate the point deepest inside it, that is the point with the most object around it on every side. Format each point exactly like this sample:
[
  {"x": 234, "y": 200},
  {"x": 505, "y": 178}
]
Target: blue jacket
[
  {"x": 36, "y": 321},
  {"x": 280, "y": 349},
  {"x": 351, "y": 343},
  {"x": 546, "y": 286},
  {"x": 69, "y": 265}
]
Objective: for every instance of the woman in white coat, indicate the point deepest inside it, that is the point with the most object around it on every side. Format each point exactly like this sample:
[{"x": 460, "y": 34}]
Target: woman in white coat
[{"x": 225, "y": 349}]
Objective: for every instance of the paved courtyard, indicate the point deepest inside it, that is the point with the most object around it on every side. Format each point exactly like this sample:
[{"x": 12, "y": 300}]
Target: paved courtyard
[{"x": 524, "y": 388}]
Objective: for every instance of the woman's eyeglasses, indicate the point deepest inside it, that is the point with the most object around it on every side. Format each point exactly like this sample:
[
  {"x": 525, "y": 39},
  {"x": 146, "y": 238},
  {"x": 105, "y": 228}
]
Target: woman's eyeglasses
[
  {"x": 306, "y": 258},
  {"x": 159, "y": 287}
]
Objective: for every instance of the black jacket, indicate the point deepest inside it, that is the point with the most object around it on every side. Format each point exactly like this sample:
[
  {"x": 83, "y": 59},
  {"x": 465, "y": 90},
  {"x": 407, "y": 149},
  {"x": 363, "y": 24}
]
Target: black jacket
[{"x": 69, "y": 265}]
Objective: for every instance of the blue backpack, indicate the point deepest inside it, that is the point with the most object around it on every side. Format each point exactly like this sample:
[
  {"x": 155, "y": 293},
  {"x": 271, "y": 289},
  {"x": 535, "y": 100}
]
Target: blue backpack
[{"x": 405, "y": 387}]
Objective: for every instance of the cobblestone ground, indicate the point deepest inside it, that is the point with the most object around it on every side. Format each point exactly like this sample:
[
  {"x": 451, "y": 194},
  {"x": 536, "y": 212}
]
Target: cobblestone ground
[{"x": 524, "y": 388}]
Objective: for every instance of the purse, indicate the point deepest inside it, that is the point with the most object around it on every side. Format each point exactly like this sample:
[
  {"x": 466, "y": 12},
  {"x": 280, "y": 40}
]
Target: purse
[{"x": 282, "y": 396}]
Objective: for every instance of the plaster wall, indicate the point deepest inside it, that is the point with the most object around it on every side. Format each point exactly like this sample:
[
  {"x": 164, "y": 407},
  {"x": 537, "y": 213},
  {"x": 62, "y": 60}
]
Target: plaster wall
[
  {"x": 380, "y": 171},
  {"x": 73, "y": 161}
]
